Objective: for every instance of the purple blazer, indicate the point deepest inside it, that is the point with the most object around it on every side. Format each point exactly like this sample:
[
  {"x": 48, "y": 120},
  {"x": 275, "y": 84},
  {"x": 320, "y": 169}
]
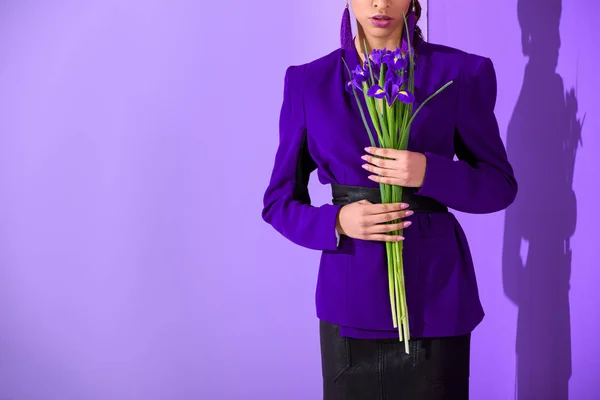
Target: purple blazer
[{"x": 321, "y": 128}]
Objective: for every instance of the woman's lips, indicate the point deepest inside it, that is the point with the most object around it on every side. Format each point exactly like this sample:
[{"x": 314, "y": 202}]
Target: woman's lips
[{"x": 381, "y": 21}]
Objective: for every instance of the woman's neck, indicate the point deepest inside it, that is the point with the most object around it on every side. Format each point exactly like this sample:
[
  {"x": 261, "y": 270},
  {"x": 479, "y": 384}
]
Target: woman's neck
[{"x": 389, "y": 42}]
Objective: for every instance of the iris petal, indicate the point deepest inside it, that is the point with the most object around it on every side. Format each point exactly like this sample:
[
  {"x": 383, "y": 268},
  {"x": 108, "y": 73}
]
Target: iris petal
[
  {"x": 406, "y": 97},
  {"x": 376, "y": 91}
]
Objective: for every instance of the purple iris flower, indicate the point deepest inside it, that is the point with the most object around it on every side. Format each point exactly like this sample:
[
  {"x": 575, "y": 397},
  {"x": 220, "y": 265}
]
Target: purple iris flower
[
  {"x": 377, "y": 56},
  {"x": 359, "y": 75},
  {"x": 404, "y": 47},
  {"x": 395, "y": 60},
  {"x": 394, "y": 76},
  {"x": 406, "y": 96},
  {"x": 376, "y": 91},
  {"x": 371, "y": 66},
  {"x": 389, "y": 91}
]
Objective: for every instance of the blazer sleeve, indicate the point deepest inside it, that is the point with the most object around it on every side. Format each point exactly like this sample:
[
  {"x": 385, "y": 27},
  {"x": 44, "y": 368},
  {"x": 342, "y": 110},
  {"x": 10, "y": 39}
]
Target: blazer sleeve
[
  {"x": 286, "y": 202},
  {"x": 482, "y": 179}
]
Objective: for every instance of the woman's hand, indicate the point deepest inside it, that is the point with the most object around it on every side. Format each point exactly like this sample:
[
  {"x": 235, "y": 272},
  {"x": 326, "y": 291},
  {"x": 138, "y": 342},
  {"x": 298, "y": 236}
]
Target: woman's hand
[
  {"x": 400, "y": 168},
  {"x": 367, "y": 221}
]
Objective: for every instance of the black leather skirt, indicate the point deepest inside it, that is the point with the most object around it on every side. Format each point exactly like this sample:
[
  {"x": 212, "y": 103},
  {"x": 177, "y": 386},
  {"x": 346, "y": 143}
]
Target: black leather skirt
[{"x": 379, "y": 369}]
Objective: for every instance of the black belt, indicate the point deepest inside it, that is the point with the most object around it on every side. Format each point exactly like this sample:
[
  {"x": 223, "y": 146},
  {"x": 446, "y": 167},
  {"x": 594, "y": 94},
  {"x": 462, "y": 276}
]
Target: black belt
[{"x": 345, "y": 194}]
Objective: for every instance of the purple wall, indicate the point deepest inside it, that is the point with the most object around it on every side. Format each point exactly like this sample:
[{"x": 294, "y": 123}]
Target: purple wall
[
  {"x": 537, "y": 263},
  {"x": 136, "y": 141}
]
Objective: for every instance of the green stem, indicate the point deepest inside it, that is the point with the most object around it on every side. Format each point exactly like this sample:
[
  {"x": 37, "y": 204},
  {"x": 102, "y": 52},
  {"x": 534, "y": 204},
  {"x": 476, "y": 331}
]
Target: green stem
[
  {"x": 426, "y": 100},
  {"x": 396, "y": 288},
  {"x": 399, "y": 122},
  {"x": 391, "y": 275},
  {"x": 369, "y": 63},
  {"x": 404, "y": 308},
  {"x": 391, "y": 125},
  {"x": 371, "y": 106},
  {"x": 384, "y": 125},
  {"x": 362, "y": 113}
]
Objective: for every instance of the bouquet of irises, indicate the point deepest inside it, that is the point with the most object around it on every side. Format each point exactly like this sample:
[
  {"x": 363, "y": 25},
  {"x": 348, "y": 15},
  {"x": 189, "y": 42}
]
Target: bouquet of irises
[{"x": 386, "y": 80}]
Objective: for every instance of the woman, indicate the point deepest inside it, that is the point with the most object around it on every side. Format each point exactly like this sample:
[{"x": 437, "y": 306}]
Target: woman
[{"x": 321, "y": 128}]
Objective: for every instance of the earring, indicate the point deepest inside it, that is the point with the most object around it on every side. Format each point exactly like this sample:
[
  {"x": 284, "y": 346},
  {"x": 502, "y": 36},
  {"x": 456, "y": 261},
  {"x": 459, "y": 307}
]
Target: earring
[{"x": 346, "y": 29}]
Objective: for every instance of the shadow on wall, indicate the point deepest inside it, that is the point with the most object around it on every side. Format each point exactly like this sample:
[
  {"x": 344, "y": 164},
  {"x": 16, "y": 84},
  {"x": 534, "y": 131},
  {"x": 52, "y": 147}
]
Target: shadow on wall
[{"x": 542, "y": 141}]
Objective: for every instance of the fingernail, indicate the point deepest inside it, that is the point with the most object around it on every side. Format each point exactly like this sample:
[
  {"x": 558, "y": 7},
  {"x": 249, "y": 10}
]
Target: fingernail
[
  {"x": 409, "y": 213},
  {"x": 403, "y": 205},
  {"x": 400, "y": 238},
  {"x": 407, "y": 224},
  {"x": 364, "y": 157}
]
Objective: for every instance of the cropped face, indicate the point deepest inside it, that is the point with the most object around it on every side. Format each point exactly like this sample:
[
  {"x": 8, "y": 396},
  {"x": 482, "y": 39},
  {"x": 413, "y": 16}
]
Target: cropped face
[{"x": 381, "y": 18}]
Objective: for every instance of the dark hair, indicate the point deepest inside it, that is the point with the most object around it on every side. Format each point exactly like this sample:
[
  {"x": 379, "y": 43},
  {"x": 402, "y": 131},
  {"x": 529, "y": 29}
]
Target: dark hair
[{"x": 418, "y": 34}]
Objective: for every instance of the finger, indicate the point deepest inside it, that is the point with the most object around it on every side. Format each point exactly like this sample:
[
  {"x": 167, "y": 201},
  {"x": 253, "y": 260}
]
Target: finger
[
  {"x": 379, "y": 208},
  {"x": 379, "y": 171},
  {"x": 382, "y": 152},
  {"x": 387, "y": 228},
  {"x": 388, "y": 217},
  {"x": 386, "y": 180},
  {"x": 380, "y": 162},
  {"x": 383, "y": 237}
]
